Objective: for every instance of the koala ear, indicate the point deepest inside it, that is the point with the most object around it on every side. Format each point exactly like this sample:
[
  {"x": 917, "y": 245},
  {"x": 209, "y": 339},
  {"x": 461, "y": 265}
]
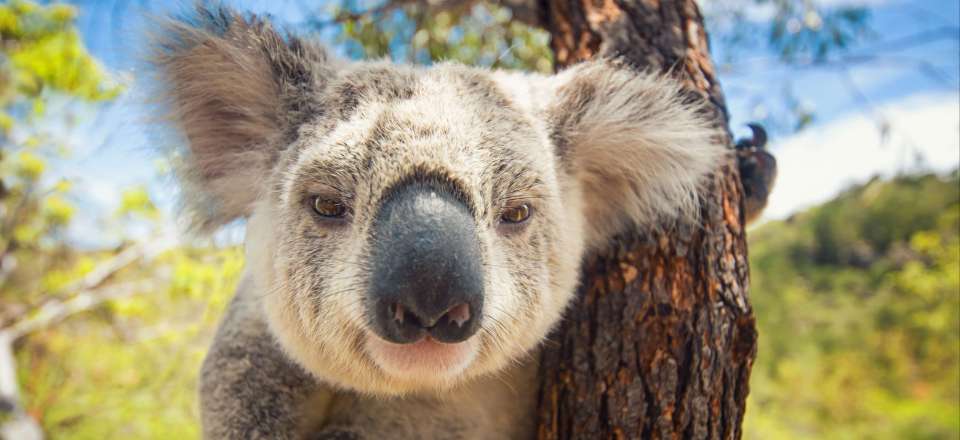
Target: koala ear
[
  {"x": 638, "y": 147},
  {"x": 234, "y": 87}
]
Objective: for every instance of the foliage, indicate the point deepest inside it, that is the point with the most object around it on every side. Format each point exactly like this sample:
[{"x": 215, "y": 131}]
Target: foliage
[
  {"x": 98, "y": 385},
  {"x": 40, "y": 55},
  {"x": 798, "y": 34},
  {"x": 858, "y": 305},
  {"x": 41, "y": 51},
  {"x": 128, "y": 370},
  {"x": 477, "y": 33},
  {"x": 807, "y": 31}
]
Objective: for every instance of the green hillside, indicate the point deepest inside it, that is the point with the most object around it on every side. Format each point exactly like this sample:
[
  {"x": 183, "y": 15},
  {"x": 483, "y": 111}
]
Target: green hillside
[{"x": 857, "y": 303}]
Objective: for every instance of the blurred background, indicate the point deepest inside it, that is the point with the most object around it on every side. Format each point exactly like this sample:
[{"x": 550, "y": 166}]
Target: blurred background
[{"x": 107, "y": 306}]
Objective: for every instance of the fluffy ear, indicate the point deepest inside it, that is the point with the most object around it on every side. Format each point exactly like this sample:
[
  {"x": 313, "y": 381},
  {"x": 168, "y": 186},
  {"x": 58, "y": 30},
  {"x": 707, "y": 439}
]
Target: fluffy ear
[
  {"x": 639, "y": 148},
  {"x": 235, "y": 87}
]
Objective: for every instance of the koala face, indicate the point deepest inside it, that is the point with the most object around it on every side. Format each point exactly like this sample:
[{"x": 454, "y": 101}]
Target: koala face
[
  {"x": 411, "y": 228},
  {"x": 420, "y": 234}
]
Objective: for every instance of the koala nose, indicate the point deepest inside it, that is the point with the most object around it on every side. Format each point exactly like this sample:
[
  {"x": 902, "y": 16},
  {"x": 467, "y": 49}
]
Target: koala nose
[{"x": 426, "y": 271}]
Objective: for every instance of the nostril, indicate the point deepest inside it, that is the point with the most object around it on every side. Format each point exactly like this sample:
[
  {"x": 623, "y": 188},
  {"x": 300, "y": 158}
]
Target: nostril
[
  {"x": 398, "y": 323},
  {"x": 404, "y": 317},
  {"x": 404, "y": 323},
  {"x": 457, "y": 323},
  {"x": 459, "y": 314},
  {"x": 398, "y": 313}
]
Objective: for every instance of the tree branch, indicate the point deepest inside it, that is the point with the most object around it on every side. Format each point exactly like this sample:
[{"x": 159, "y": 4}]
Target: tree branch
[
  {"x": 55, "y": 311},
  {"x": 18, "y": 424}
]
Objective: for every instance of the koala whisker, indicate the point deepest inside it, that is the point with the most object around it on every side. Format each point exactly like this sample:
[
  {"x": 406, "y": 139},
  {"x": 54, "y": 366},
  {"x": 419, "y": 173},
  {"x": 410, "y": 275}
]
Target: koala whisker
[
  {"x": 488, "y": 265},
  {"x": 499, "y": 376},
  {"x": 324, "y": 259},
  {"x": 553, "y": 343},
  {"x": 358, "y": 300},
  {"x": 352, "y": 287},
  {"x": 499, "y": 327},
  {"x": 269, "y": 291},
  {"x": 340, "y": 265}
]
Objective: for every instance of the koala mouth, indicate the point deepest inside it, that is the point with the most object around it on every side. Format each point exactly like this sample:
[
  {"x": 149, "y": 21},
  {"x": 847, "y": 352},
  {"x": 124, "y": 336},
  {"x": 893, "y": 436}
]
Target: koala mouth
[
  {"x": 428, "y": 355},
  {"x": 427, "y": 359}
]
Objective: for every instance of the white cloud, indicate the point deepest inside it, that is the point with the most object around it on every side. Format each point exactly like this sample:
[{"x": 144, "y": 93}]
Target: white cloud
[{"x": 820, "y": 162}]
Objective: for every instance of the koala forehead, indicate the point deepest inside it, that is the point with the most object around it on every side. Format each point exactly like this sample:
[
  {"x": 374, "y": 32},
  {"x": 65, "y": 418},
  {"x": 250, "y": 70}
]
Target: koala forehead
[{"x": 474, "y": 126}]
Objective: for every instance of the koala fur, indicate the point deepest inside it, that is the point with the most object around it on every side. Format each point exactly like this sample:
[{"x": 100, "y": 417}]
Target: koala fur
[{"x": 272, "y": 123}]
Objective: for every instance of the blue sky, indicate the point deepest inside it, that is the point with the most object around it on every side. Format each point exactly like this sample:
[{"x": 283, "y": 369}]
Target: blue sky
[{"x": 914, "y": 89}]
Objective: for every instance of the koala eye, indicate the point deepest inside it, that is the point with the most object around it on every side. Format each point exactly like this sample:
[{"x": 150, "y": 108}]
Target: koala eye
[
  {"x": 516, "y": 214},
  {"x": 329, "y": 207}
]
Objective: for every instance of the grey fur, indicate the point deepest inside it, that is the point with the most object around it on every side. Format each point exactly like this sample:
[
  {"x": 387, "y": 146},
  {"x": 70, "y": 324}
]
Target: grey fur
[
  {"x": 242, "y": 364},
  {"x": 273, "y": 121}
]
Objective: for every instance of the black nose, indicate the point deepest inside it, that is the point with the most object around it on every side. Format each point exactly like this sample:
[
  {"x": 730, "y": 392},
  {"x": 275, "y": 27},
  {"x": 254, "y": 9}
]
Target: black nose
[{"x": 426, "y": 272}]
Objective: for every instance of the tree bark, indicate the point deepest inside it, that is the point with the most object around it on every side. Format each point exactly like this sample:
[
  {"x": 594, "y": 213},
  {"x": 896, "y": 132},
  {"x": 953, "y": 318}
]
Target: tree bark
[{"x": 662, "y": 339}]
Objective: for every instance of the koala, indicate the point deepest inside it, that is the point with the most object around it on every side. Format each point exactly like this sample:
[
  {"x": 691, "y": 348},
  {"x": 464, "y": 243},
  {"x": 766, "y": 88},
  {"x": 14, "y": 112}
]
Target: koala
[{"x": 412, "y": 233}]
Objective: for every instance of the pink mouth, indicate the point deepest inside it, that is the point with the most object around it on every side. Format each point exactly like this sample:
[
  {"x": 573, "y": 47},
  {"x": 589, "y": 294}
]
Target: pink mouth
[{"x": 426, "y": 357}]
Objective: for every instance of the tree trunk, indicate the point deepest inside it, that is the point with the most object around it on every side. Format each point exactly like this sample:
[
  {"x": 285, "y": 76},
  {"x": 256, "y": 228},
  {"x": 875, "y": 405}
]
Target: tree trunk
[{"x": 662, "y": 339}]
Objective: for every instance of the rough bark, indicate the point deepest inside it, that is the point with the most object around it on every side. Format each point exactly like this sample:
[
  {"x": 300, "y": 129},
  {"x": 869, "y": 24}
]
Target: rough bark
[{"x": 662, "y": 339}]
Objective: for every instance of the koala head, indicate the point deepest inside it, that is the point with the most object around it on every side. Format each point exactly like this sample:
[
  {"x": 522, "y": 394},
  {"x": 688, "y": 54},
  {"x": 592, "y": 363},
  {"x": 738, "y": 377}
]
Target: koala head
[{"x": 410, "y": 228}]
